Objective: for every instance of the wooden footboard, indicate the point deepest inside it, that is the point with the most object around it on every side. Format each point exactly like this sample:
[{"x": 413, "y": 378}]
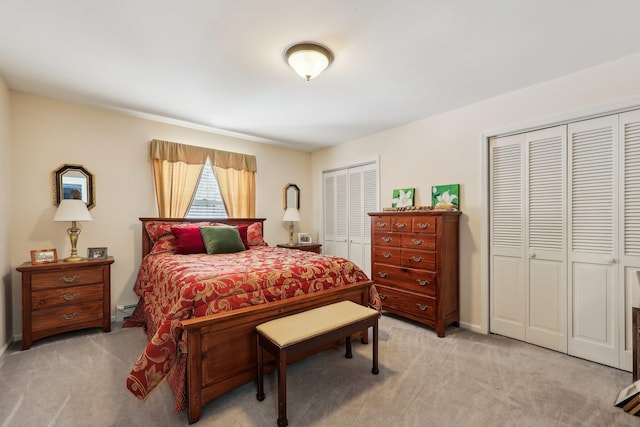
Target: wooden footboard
[{"x": 222, "y": 347}]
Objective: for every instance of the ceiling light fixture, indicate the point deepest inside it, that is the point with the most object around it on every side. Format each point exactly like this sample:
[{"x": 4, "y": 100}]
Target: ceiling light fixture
[{"x": 308, "y": 59}]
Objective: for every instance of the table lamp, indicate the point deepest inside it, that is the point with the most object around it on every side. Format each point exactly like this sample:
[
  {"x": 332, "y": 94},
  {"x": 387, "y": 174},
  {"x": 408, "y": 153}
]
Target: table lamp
[
  {"x": 73, "y": 210},
  {"x": 291, "y": 215}
]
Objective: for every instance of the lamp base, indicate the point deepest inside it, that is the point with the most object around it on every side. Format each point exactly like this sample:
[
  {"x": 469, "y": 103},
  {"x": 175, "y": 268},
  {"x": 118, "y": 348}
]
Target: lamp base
[{"x": 74, "y": 258}]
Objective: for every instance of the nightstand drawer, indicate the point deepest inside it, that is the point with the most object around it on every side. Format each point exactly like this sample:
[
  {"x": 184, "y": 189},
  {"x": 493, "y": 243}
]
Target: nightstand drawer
[
  {"x": 56, "y": 279},
  {"x": 66, "y": 296},
  {"x": 66, "y": 315}
]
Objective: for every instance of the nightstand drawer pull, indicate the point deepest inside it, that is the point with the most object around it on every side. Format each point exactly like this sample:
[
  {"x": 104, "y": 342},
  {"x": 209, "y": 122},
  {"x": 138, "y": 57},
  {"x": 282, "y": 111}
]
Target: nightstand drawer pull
[
  {"x": 423, "y": 282},
  {"x": 423, "y": 224},
  {"x": 417, "y": 241},
  {"x": 69, "y": 279},
  {"x": 382, "y": 296},
  {"x": 386, "y": 255},
  {"x": 381, "y": 224},
  {"x": 69, "y": 316},
  {"x": 422, "y": 307},
  {"x": 400, "y": 225},
  {"x": 382, "y": 274},
  {"x": 68, "y": 297},
  {"x": 416, "y": 258},
  {"x": 386, "y": 239}
]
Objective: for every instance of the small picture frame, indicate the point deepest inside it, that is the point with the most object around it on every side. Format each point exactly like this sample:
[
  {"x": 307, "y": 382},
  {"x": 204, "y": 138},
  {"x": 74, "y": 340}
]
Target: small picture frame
[
  {"x": 304, "y": 238},
  {"x": 403, "y": 198},
  {"x": 97, "y": 253},
  {"x": 43, "y": 256}
]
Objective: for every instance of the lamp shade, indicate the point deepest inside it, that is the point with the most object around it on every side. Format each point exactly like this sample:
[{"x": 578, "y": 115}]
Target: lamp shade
[
  {"x": 291, "y": 214},
  {"x": 72, "y": 210},
  {"x": 308, "y": 59}
]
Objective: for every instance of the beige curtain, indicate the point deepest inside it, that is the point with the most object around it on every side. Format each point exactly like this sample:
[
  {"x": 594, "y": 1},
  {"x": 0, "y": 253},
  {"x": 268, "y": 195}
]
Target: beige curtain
[{"x": 176, "y": 169}]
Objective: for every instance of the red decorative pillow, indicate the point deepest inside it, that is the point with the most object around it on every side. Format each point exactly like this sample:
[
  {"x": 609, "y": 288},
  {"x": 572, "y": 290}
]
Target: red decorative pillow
[
  {"x": 243, "y": 230},
  {"x": 254, "y": 235},
  {"x": 188, "y": 240}
]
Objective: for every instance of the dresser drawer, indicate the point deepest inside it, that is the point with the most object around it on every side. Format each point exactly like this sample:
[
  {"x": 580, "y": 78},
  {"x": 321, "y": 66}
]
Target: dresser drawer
[
  {"x": 419, "y": 259},
  {"x": 410, "y": 279},
  {"x": 57, "y": 278},
  {"x": 387, "y": 239},
  {"x": 386, "y": 255},
  {"x": 408, "y": 303},
  {"x": 423, "y": 224},
  {"x": 68, "y": 315},
  {"x": 66, "y": 296},
  {"x": 402, "y": 224},
  {"x": 380, "y": 223},
  {"x": 419, "y": 241}
]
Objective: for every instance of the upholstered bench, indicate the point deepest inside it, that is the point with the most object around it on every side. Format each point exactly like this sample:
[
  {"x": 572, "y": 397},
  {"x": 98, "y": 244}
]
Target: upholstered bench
[{"x": 293, "y": 335}]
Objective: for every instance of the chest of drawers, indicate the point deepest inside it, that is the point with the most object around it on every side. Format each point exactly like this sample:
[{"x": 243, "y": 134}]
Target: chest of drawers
[
  {"x": 414, "y": 258},
  {"x": 64, "y": 296}
]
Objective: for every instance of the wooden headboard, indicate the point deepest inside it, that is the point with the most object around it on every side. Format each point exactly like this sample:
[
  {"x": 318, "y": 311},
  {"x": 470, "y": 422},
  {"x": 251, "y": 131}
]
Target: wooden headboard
[{"x": 147, "y": 244}]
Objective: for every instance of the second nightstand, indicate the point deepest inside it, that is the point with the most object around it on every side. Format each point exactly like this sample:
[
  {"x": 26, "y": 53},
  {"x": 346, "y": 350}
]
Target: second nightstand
[
  {"x": 310, "y": 247},
  {"x": 65, "y": 296}
]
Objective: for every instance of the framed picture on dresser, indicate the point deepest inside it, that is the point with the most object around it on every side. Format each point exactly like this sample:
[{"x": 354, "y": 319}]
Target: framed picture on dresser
[
  {"x": 304, "y": 238},
  {"x": 43, "y": 256}
]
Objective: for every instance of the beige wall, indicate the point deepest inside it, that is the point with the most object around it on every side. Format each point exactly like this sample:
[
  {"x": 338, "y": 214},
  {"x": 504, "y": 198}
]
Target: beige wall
[
  {"x": 448, "y": 149},
  {"x": 5, "y": 218},
  {"x": 47, "y": 133}
]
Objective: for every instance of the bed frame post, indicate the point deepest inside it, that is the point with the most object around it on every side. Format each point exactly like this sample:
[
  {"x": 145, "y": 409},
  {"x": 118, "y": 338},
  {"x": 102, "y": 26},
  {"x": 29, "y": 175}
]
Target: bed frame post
[{"x": 194, "y": 379}]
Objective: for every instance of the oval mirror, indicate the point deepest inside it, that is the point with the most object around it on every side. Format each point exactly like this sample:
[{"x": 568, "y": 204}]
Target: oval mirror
[
  {"x": 73, "y": 182},
  {"x": 291, "y": 197}
]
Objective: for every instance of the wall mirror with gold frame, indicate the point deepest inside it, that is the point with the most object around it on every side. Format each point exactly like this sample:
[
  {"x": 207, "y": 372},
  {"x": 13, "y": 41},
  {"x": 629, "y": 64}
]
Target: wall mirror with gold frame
[
  {"x": 291, "y": 197},
  {"x": 74, "y": 182}
]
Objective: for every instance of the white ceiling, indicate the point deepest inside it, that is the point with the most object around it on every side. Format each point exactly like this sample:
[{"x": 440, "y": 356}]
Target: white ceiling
[{"x": 219, "y": 63}]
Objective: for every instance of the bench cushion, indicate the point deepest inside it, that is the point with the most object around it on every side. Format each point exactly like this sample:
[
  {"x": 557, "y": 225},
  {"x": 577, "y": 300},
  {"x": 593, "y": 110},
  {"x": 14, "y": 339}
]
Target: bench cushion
[{"x": 293, "y": 329}]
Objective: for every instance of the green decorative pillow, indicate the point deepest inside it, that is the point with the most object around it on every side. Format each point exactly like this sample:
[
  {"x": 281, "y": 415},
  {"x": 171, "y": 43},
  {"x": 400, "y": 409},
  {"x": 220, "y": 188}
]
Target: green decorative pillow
[{"x": 221, "y": 239}]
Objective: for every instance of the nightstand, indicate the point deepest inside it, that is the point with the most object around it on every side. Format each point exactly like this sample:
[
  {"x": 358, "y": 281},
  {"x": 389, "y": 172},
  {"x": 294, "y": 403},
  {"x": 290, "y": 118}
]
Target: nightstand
[
  {"x": 64, "y": 296},
  {"x": 310, "y": 247}
]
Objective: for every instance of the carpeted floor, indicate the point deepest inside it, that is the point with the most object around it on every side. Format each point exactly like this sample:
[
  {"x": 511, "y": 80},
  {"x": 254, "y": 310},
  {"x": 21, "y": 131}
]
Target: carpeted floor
[{"x": 465, "y": 379}]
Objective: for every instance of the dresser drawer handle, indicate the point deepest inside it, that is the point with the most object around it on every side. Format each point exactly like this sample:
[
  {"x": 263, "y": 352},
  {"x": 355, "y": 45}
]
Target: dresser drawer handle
[
  {"x": 69, "y": 316},
  {"x": 68, "y": 297},
  {"x": 386, "y": 255},
  {"x": 416, "y": 258},
  {"x": 422, "y": 307},
  {"x": 401, "y": 224},
  {"x": 386, "y": 239},
  {"x": 69, "y": 279},
  {"x": 423, "y": 282},
  {"x": 417, "y": 241},
  {"x": 382, "y": 296},
  {"x": 381, "y": 224},
  {"x": 423, "y": 225},
  {"x": 382, "y": 274}
]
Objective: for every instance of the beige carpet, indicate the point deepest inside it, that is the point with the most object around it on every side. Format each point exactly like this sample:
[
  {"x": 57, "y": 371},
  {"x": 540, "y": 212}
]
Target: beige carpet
[{"x": 465, "y": 379}]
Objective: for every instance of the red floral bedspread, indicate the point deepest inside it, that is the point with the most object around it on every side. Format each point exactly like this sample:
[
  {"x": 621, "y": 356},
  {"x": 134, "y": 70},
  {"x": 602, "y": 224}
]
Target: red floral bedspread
[{"x": 175, "y": 287}]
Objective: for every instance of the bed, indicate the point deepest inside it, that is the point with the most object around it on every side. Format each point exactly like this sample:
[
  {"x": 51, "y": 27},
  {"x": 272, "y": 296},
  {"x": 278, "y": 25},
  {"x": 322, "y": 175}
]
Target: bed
[{"x": 200, "y": 311}]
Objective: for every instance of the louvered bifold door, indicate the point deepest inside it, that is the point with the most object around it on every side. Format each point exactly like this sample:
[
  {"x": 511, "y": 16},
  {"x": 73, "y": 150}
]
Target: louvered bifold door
[
  {"x": 507, "y": 238},
  {"x": 371, "y": 204},
  {"x": 356, "y": 217},
  {"x": 592, "y": 207},
  {"x": 335, "y": 213},
  {"x": 629, "y": 242},
  {"x": 546, "y": 284}
]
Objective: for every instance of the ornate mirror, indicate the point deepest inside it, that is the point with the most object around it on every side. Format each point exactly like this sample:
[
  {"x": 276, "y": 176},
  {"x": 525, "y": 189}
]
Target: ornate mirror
[
  {"x": 291, "y": 197},
  {"x": 73, "y": 182}
]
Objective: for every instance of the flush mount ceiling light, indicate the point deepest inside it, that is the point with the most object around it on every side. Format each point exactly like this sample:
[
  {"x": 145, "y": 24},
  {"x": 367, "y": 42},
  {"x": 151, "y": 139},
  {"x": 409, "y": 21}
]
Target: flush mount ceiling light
[{"x": 308, "y": 59}]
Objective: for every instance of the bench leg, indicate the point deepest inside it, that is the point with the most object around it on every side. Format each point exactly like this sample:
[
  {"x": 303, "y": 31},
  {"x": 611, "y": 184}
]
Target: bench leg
[
  {"x": 375, "y": 369},
  {"x": 260, "y": 373},
  {"x": 348, "y": 353},
  {"x": 282, "y": 389}
]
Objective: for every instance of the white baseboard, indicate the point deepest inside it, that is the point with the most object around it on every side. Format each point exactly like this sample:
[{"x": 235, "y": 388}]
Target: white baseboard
[{"x": 472, "y": 327}]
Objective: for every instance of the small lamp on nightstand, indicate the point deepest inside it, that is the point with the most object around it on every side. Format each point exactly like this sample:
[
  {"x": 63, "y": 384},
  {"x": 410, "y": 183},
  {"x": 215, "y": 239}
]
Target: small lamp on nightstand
[
  {"x": 73, "y": 210},
  {"x": 291, "y": 215}
]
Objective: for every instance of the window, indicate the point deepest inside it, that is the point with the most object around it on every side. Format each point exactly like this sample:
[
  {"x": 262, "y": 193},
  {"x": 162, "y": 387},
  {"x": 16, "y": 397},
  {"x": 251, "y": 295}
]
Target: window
[{"x": 207, "y": 201}]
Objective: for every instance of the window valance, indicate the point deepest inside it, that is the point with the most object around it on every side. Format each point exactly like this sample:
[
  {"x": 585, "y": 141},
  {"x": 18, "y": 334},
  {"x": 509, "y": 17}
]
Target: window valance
[{"x": 190, "y": 154}]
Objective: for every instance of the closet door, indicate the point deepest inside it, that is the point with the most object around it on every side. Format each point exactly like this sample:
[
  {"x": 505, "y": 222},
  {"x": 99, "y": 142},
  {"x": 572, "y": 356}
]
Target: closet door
[
  {"x": 507, "y": 237},
  {"x": 546, "y": 284},
  {"x": 336, "y": 213},
  {"x": 629, "y": 241},
  {"x": 593, "y": 292}
]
